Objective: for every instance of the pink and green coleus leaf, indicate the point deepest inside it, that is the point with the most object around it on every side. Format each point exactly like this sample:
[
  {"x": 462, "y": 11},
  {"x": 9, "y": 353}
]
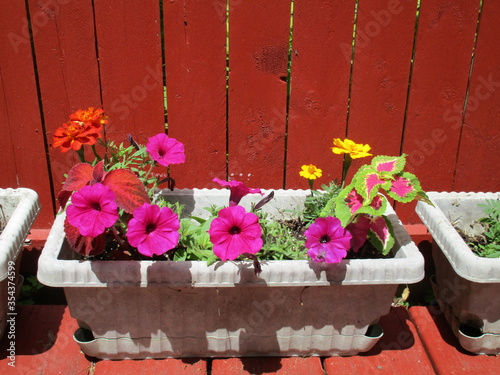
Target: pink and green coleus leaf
[
  {"x": 377, "y": 206},
  {"x": 367, "y": 182},
  {"x": 359, "y": 229},
  {"x": 404, "y": 187},
  {"x": 348, "y": 202},
  {"x": 376, "y": 229},
  {"x": 381, "y": 234},
  {"x": 388, "y": 165}
]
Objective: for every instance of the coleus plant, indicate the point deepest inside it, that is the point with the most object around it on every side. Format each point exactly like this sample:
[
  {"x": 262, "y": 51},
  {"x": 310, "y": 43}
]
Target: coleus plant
[{"x": 360, "y": 206}]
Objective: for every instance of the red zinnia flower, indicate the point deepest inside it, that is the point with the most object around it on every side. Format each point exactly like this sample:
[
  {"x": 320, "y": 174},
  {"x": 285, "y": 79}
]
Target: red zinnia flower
[
  {"x": 327, "y": 241},
  {"x": 74, "y": 134},
  {"x": 153, "y": 230},
  {"x": 235, "y": 232},
  {"x": 93, "y": 209},
  {"x": 166, "y": 150},
  {"x": 93, "y": 116}
]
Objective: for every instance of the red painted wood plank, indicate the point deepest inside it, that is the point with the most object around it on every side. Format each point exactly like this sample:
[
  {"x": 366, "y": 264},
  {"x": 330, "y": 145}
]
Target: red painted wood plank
[
  {"x": 258, "y": 57},
  {"x": 293, "y": 365},
  {"x": 382, "y": 60},
  {"x": 439, "y": 81},
  {"x": 443, "y": 53},
  {"x": 443, "y": 348},
  {"x": 63, "y": 34},
  {"x": 399, "y": 351},
  {"x": 321, "y": 54},
  {"x": 152, "y": 367},
  {"x": 195, "y": 57},
  {"x": 43, "y": 343},
  {"x": 21, "y": 132},
  {"x": 476, "y": 170},
  {"x": 131, "y": 68}
]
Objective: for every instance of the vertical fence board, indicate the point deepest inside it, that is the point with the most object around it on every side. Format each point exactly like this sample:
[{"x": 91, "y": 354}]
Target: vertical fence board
[
  {"x": 131, "y": 69},
  {"x": 195, "y": 59},
  {"x": 258, "y": 58},
  {"x": 21, "y": 132},
  {"x": 478, "y": 169},
  {"x": 439, "y": 81},
  {"x": 382, "y": 60},
  {"x": 321, "y": 55},
  {"x": 64, "y": 42}
]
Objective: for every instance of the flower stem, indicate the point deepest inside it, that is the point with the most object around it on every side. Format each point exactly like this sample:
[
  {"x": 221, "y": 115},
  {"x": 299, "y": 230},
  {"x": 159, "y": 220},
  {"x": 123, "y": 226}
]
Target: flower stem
[
  {"x": 95, "y": 153},
  {"x": 345, "y": 168},
  {"x": 117, "y": 235},
  {"x": 81, "y": 154},
  {"x": 311, "y": 185}
]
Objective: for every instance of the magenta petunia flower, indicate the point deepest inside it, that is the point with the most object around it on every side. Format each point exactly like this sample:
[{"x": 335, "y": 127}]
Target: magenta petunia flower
[
  {"x": 166, "y": 150},
  {"x": 93, "y": 209},
  {"x": 327, "y": 241},
  {"x": 153, "y": 230},
  {"x": 235, "y": 232},
  {"x": 238, "y": 190}
]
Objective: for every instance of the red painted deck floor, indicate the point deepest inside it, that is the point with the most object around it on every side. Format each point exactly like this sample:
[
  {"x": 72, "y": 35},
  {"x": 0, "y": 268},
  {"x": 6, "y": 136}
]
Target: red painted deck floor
[{"x": 417, "y": 341}]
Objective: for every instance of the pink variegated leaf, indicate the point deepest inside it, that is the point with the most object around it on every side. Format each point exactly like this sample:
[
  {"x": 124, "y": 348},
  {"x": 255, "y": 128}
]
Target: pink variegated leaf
[
  {"x": 79, "y": 176},
  {"x": 404, "y": 187},
  {"x": 388, "y": 165},
  {"x": 359, "y": 229},
  {"x": 381, "y": 234},
  {"x": 377, "y": 206},
  {"x": 367, "y": 182},
  {"x": 348, "y": 202},
  {"x": 129, "y": 190}
]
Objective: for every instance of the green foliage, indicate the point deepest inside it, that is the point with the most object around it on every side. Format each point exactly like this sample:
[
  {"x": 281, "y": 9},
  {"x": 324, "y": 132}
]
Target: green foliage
[
  {"x": 489, "y": 244},
  {"x": 283, "y": 239},
  {"x": 30, "y": 288},
  {"x": 320, "y": 203}
]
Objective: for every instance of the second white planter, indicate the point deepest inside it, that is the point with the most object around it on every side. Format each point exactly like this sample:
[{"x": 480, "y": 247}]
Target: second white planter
[
  {"x": 466, "y": 286},
  {"x": 18, "y": 210},
  {"x": 148, "y": 309}
]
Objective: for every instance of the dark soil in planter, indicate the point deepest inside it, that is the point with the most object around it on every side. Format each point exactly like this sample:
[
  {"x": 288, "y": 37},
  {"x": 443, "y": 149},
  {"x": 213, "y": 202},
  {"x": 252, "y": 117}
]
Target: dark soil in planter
[{"x": 472, "y": 241}]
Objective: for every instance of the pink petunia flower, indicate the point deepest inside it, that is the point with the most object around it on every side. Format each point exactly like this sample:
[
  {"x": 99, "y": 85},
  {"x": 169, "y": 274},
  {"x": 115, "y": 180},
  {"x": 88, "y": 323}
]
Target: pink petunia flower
[
  {"x": 166, "y": 150},
  {"x": 93, "y": 209},
  {"x": 153, "y": 230},
  {"x": 238, "y": 190},
  {"x": 235, "y": 232},
  {"x": 327, "y": 241}
]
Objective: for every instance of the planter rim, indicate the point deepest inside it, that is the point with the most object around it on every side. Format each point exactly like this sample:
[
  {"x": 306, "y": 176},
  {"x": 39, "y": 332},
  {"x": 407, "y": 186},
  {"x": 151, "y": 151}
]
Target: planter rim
[
  {"x": 18, "y": 226},
  {"x": 463, "y": 260},
  {"x": 407, "y": 267}
]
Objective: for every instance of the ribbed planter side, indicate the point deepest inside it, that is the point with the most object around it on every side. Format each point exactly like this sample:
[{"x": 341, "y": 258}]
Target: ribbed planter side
[
  {"x": 466, "y": 286},
  {"x": 19, "y": 209},
  {"x": 147, "y": 309}
]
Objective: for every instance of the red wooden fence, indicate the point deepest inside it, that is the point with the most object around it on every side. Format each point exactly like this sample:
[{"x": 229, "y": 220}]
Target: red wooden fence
[{"x": 413, "y": 76}]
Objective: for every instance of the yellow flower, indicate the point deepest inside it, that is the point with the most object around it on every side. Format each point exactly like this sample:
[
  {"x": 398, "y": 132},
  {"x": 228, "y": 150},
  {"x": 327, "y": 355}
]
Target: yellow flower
[
  {"x": 356, "y": 150},
  {"x": 310, "y": 172}
]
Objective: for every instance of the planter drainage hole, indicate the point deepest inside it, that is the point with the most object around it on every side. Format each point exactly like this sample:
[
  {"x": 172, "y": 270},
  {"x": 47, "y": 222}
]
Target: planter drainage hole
[
  {"x": 374, "y": 331},
  {"x": 83, "y": 335},
  {"x": 470, "y": 330}
]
